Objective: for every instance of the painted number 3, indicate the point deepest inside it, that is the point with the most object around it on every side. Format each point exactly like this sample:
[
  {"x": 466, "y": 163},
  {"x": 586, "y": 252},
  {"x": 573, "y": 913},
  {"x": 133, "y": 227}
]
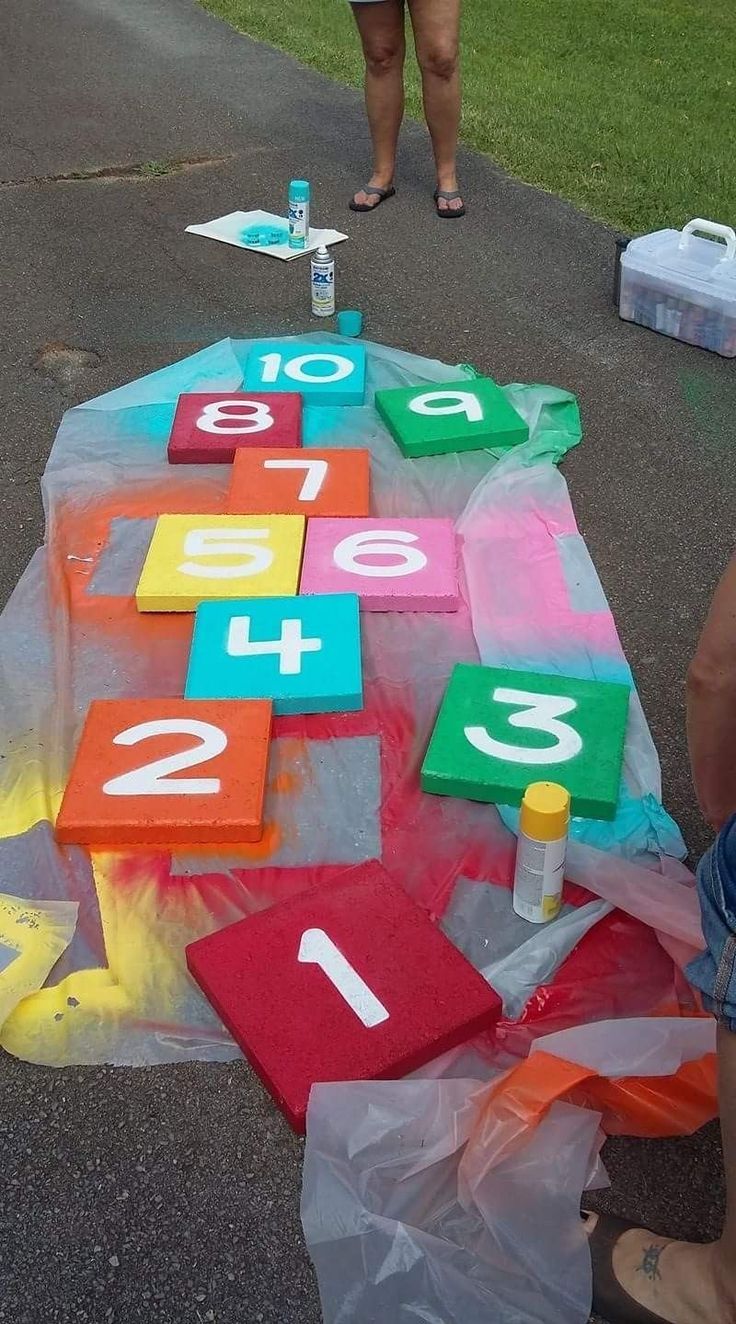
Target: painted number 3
[{"x": 540, "y": 712}]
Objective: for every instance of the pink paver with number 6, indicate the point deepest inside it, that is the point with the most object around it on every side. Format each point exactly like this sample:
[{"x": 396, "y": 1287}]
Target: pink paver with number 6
[{"x": 392, "y": 564}]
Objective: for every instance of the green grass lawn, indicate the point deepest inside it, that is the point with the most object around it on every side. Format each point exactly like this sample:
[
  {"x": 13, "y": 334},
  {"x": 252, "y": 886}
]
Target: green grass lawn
[{"x": 626, "y": 107}]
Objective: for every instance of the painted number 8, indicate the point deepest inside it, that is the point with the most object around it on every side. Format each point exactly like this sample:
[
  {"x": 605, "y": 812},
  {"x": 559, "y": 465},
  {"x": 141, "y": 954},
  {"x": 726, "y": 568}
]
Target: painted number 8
[
  {"x": 242, "y": 417},
  {"x": 540, "y": 712}
]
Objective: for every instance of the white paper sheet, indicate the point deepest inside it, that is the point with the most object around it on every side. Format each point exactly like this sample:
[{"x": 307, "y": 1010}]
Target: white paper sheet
[{"x": 231, "y": 229}]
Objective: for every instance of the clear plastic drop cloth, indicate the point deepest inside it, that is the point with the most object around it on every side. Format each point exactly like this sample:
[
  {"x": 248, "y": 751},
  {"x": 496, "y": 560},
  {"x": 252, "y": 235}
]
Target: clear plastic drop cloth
[{"x": 343, "y": 789}]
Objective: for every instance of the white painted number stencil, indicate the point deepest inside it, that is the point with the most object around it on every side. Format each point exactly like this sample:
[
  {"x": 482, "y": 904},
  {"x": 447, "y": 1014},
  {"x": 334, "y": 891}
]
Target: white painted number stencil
[
  {"x": 448, "y": 402},
  {"x": 317, "y": 948},
  {"x": 540, "y": 712},
  {"x": 242, "y": 417},
  {"x": 410, "y": 559},
  {"x": 151, "y": 778},
  {"x": 289, "y": 646},
  {"x": 313, "y": 480},
  {"x": 226, "y": 542},
  {"x": 297, "y": 369}
]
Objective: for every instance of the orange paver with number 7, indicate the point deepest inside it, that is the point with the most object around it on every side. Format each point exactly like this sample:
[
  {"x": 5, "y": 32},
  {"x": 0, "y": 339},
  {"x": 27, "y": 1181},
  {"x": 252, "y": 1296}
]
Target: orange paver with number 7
[
  {"x": 268, "y": 481},
  {"x": 162, "y": 772}
]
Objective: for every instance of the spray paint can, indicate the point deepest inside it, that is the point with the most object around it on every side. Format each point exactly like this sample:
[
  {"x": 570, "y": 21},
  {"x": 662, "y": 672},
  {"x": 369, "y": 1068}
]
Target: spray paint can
[
  {"x": 544, "y": 823},
  {"x": 298, "y": 213},
  {"x": 323, "y": 283}
]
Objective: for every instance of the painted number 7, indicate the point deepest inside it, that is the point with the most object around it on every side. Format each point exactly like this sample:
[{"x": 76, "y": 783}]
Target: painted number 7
[
  {"x": 539, "y": 712},
  {"x": 314, "y": 478},
  {"x": 317, "y": 948}
]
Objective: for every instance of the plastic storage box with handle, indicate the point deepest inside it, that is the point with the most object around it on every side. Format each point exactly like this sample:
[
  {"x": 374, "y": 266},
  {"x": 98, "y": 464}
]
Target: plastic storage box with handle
[{"x": 683, "y": 285}]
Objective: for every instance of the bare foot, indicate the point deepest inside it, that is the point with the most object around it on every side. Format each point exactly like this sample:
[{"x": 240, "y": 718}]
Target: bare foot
[{"x": 681, "y": 1282}]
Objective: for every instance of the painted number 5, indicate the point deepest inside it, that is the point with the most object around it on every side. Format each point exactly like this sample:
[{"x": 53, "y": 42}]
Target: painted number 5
[
  {"x": 540, "y": 712},
  {"x": 226, "y": 542},
  {"x": 317, "y": 948},
  {"x": 155, "y": 778}
]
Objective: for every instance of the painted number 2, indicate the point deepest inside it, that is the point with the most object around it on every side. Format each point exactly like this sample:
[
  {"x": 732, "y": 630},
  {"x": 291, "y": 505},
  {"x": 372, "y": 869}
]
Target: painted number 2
[
  {"x": 540, "y": 712},
  {"x": 155, "y": 778},
  {"x": 317, "y": 948},
  {"x": 235, "y": 417}
]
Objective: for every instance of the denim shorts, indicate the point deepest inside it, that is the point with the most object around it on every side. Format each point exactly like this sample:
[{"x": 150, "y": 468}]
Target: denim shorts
[{"x": 713, "y": 973}]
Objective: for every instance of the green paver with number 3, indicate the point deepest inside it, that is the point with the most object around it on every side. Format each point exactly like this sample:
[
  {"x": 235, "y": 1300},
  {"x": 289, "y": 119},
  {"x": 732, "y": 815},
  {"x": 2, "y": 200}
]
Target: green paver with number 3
[
  {"x": 499, "y": 730},
  {"x": 458, "y": 416}
]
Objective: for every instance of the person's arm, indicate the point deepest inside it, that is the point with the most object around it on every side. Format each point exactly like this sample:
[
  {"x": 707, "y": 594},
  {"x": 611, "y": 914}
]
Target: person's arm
[{"x": 711, "y": 705}]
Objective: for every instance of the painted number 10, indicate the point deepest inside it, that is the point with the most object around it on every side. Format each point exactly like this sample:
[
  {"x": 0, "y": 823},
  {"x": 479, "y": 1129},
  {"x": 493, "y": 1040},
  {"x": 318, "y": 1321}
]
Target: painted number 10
[
  {"x": 298, "y": 369},
  {"x": 317, "y": 948}
]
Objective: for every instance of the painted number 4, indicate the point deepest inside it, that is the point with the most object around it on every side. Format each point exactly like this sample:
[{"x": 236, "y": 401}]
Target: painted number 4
[
  {"x": 539, "y": 712},
  {"x": 317, "y": 948},
  {"x": 289, "y": 647}
]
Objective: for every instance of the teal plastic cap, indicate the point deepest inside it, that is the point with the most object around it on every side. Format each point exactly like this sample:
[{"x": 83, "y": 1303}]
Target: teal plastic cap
[
  {"x": 299, "y": 190},
  {"x": 349, "y": 322}
]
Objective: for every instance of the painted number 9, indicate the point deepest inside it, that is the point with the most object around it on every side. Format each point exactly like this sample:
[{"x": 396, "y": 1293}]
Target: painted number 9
[
  {"x": 539, "y": 712},
  {"x": 380, "y": 542},
  {"x": 439, "y": 403}
]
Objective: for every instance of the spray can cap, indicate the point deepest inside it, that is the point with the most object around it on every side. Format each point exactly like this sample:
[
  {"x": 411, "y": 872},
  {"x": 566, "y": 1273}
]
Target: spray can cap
[
  {"x": 299, "y": 190},
  {"x": 322, "y": 254},
  {"x": 545, "y": 811}
]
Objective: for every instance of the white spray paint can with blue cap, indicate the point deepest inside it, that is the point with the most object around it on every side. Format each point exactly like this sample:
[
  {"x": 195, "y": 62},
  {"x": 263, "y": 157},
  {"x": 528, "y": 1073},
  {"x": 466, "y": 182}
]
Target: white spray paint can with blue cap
[{"x": 323, "y": 283}]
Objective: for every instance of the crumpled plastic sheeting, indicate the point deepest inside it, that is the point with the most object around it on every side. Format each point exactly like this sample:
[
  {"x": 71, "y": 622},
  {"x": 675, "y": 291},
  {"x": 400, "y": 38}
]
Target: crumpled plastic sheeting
[
  {"x": 32, "y": 938},
  {"x": 392, "y": 1234},
  {"x": 456, "y": 1200},
  {"x": 71, "y": 633}
]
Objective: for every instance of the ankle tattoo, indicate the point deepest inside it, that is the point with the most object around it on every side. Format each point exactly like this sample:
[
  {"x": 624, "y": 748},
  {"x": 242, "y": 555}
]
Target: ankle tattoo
[{"x": 650, "y": 1262}]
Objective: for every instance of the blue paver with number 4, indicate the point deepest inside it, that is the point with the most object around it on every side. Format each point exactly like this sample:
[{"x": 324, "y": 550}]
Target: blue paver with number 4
[
  {"x": 303, "y": 652},
  {"x": 323, "y": 374},
  {"x": 499, "y": 730}
]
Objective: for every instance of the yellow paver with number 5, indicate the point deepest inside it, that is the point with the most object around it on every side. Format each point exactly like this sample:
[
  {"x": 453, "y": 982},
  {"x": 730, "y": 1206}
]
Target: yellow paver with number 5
[{"x": 203, "y": 558}]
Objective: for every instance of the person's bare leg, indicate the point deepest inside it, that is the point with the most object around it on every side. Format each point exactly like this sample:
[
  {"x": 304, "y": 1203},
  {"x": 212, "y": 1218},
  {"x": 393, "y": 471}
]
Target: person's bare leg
[
  {"x": 381, "y": 28},
  {"x": 682, "y": 1282},
  {"x": 436, "y": 26}
]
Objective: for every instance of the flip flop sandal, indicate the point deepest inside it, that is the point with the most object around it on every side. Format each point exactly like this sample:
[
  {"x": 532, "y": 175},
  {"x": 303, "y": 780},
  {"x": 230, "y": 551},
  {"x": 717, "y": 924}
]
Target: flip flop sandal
[
  {"x": 448, "y": 213},
  {"x": 383, "y": 194},
  {"x": 610, "y": 1300}
]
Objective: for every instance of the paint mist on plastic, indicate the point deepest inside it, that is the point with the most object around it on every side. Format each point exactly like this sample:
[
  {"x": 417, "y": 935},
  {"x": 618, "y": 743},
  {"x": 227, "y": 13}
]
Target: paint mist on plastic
[
  {"x": 298, "y": 213},
  {"x": 540, "y": 853},
  {"x": 323, "y": 283}
]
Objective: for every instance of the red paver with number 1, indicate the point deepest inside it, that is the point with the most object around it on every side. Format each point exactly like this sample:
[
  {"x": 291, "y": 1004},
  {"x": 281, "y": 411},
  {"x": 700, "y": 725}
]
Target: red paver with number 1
[{"x": 347, "y": 982}]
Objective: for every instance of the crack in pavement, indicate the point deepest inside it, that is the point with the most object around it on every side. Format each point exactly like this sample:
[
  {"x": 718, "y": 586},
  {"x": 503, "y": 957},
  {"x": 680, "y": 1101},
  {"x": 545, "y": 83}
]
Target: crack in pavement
[{"x": 139, "y": 170}]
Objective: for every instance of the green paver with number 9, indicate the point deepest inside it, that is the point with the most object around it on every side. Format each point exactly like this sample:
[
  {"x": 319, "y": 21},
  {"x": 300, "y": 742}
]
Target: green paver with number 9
[
  {"x": 499, "y": 730},
  {"x": 454, "y": 416}
]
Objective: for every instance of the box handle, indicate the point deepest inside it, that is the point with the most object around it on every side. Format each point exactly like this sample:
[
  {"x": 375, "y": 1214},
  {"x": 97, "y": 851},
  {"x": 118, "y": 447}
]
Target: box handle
[{"x": 714, "y": 229}]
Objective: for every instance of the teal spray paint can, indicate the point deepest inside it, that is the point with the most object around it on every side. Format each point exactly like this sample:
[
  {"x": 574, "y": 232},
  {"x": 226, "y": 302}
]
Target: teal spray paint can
[{"x": 298, "y": 213}]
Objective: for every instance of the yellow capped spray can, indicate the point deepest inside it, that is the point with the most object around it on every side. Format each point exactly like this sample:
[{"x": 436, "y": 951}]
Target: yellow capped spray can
[{"x": 544, "y": 823}]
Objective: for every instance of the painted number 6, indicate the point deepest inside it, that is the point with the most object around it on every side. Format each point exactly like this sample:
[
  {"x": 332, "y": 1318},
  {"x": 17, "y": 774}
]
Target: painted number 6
[
  {"x": 380, "y": 542},
  {"x": 540, "y": 712},
  {"x": 151, "y": 779}
]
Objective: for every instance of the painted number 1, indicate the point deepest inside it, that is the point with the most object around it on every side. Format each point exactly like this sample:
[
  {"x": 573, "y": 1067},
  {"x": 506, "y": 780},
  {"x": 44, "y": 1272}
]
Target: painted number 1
[
  {"x": 540, "y": 712},
  {"x": 317, "y": 948}
]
